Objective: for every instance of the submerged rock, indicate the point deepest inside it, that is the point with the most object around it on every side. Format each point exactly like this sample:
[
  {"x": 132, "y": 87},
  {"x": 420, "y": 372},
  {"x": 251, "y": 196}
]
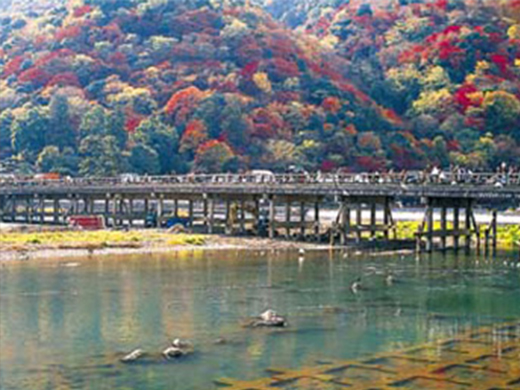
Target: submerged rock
[
  {"x": 133, "y": 356},
  {"x": 173, "y": 353},
  {"x": 269, "y": 318},
  {"x": 179, "y": 348}
]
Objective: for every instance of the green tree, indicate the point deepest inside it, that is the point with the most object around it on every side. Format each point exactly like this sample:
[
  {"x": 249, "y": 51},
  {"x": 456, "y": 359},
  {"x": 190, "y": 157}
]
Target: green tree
[
  {"x": 49, "y": 159},
  {"x": 100, "y": 156},
  {"x": 115, "y": 126},
  {"x": 502, "y": 111},
  {"x": 163, "y": 139},
  {"x": 61, "y": 132},
  {"x": 28, "y": 133},
  {"x": 144, "y": 160},
  {"x": 64, "y": 162},
  {"x": 94, "y": 122},
  {"x": 6, "y": 121}
]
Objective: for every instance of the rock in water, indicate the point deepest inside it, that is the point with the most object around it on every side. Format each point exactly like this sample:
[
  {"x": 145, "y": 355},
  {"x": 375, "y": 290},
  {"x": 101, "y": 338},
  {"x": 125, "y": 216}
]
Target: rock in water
[
  {"x": 133, "y": 356},
  {"x": 173, "y": 353}
]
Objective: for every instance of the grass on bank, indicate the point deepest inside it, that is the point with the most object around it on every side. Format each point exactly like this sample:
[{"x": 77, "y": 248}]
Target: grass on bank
[
  {"x": 96, "y": 239},
  {"x": 507, "y": 235}
]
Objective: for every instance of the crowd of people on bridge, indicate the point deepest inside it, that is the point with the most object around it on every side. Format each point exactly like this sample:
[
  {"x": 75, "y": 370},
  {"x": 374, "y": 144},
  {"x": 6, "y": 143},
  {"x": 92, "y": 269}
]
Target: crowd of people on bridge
[{"x": 504, "y": 175}]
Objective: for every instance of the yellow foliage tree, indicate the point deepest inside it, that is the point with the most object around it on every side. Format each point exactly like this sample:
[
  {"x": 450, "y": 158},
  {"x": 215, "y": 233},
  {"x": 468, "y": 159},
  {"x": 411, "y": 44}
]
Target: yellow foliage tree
[{"x": 261, "y": 80}]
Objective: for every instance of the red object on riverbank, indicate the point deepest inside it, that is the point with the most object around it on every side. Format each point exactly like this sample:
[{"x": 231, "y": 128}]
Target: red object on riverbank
[{"x": 87, "y": 222}]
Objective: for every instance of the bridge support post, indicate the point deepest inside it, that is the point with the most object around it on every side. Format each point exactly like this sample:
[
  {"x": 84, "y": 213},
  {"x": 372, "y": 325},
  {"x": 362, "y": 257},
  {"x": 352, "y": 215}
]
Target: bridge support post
[
  {"x": 205, "y": 216},
  {"x": 359, "y": 222},
  {"x": 42, "y": 209},
  {"x": 429, "y": 227},
  {"x": 456, "y": 227},
  {"x": 387, "y": 216},
  {"x": 467, "y": 225},
  {"x": 131, "y": 212},
  {"x": 373, "y": 221},
  {"x": 317, "y": 220},
  {"x": 190, "y": 213},
  {"x": 211, "y": 220},
  {"x": 494, "y": 229},
  {"x": 160, "y": 211},
  {"x": 302, "y": 220},
  {"x": 444, "y": 227},
  {"x": 242, "y": 217},
  {"x": 272, "y": 217},
  {"x": 13, "y": 208},
  {"x": 28, "y": 211},
  {"x": 56, "y": 210},
  {"x": 288, "y": 219},
  {"x": 229, "y": 224}
]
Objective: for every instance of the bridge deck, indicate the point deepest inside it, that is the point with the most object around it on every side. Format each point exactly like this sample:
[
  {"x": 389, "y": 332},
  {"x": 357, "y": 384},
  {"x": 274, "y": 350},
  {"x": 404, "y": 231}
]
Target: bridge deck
[
  {"x": 482, "y": 186},
  {"x": 483, "y": 359}
]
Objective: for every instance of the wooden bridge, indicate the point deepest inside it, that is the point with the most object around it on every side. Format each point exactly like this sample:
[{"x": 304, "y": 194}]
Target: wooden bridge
[{"x": 272, "y": 205}]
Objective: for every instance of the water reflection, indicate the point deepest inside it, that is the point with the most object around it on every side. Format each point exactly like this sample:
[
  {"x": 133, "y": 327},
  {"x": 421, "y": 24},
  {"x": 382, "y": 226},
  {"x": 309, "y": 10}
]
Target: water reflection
[{"x": 64, "y": 327}]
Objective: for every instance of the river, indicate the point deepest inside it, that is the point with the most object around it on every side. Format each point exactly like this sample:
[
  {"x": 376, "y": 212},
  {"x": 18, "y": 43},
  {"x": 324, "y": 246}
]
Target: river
[{"x": 65, "y": 324}]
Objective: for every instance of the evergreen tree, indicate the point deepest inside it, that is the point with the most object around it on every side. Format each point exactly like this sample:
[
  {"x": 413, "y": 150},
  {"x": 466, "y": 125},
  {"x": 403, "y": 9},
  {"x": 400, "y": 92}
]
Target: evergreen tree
[
  {"x": 28, "y": 133},
  {"x": 61, "y": 132}
]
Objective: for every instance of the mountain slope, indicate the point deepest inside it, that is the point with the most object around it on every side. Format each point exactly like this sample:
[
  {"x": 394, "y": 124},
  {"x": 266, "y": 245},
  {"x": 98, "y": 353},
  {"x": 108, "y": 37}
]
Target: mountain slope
[
  {"x": 106, "y": 86},
  {"x": 229, "y": 88}
]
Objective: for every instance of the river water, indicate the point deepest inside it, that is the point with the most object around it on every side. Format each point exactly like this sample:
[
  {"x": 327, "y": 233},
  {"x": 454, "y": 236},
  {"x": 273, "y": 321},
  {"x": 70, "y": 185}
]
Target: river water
[{"x": 65, "y": 324}]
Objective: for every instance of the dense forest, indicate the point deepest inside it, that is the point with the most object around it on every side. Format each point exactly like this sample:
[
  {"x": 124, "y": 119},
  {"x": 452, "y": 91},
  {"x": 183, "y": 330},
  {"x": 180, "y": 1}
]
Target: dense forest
[{"x": 101, "y": 87}]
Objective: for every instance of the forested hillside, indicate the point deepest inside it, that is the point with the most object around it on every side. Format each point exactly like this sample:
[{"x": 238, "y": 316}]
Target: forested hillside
[{"x": 100, "y": 87}]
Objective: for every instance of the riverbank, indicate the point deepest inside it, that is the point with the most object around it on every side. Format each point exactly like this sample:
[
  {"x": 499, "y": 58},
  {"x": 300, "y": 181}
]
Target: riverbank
[
  {"x": 30, "y": 243},
  {"x": 25, "y": 242},
  {"x": 508, "y": 236}
]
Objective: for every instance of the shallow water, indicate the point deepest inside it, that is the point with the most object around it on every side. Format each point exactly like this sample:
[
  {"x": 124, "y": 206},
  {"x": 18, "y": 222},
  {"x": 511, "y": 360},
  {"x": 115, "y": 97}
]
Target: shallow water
[{"x": 64, "y": 325}]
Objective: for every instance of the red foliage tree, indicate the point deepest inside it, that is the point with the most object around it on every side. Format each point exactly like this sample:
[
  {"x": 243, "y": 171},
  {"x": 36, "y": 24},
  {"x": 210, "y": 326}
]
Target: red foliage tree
[
  {"x": 331, "y": 104},
  {"x": 69, "y": 32},
  {"x": 182, "y": 102},
  {"x": 463, "y": 99},
  {"x": 13, "y": 66},
  {"x": 500, "y": 61},
  {"x": 266, "y": 124},
  {"x": 35, "y": 76},
  {"x": 194, "y": 135},
  {"x": 64, "y": 79},
  {"x": 82, "y": 11}
]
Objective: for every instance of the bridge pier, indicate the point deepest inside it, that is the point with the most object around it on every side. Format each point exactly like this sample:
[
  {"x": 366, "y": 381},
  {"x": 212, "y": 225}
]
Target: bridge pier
[
  {"x": 429, "y": 230},
  {"x": 348, "y": 229}
]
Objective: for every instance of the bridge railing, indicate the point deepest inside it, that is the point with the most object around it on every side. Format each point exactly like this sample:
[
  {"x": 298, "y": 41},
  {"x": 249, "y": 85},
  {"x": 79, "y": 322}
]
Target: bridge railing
[{"x": 323, "y": 179}]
